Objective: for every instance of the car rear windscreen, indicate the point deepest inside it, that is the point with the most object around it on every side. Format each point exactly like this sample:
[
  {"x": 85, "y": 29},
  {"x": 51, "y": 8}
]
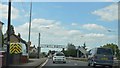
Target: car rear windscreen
[
  {"x": 59, "y": 54},
  {"x": 104, "y": 51}
]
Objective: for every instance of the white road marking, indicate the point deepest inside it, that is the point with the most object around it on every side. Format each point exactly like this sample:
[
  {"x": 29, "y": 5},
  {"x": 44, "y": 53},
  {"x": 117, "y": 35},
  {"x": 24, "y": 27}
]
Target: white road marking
[{"x": 44, "y": 63}]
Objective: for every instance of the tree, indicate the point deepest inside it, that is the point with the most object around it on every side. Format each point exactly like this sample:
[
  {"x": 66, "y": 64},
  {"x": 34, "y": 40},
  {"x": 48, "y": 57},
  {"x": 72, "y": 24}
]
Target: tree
[
  {"x": 115, "y": 49},
  {"x": 43, "y": 54},
  {"x": 12, "y": 31},
  {"x": 84, "y": 46},
  {"x": 49, "y": 52},
  {"x": 71, "y": 50},
  {"x": 71, "y": 46},
  {"x": 63, "y": 49}
]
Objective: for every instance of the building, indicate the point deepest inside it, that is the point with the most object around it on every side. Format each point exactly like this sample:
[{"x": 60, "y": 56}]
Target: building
[
  {"x": 21, "y": 57},
  {"x": 33, "y": 52}
]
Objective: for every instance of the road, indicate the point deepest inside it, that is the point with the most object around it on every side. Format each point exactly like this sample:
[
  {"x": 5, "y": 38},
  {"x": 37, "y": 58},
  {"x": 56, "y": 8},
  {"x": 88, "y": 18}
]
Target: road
[{"x": 68, "y": 64}]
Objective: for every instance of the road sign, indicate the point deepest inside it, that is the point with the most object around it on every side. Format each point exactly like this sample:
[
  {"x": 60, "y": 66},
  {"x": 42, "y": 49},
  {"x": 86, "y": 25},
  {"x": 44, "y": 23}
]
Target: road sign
[
  {"x": 52, "y": 46},
  {"x": 15, "y": 48},
  {"x": 83, "y": 50}
]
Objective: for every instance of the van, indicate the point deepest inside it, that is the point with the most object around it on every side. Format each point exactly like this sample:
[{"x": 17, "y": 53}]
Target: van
[{"x": 100, "y": 56}]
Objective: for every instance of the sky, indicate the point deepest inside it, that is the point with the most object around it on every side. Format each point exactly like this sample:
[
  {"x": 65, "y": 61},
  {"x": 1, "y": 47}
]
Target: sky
[
  {"x": 62, "y": 0},
  {"x": 60, "y": 23}
]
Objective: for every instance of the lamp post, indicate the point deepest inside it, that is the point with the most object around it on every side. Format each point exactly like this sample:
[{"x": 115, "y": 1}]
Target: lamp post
[
  {"x": 8, "y": 34},
  {"x": 1, "y": 43},
  {"x": 78, "y": 51},
  {"x": 1, "y": 35},
  {"x": 29, "y": 41},
  {"x": 30, "y": 22},
  {"x": 39, "y": 48}
]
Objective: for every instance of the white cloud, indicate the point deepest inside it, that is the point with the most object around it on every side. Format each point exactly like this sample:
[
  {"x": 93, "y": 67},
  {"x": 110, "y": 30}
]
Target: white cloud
[
  {"x": 109, "y": 13},
  {"x": 52, "y": 32},
  {"x": 94, "y": 27},
  {"x": 74, "y": 32},
  {"x": 94, "y": 35},
  {"x": 4, "y": 12},
  {"x": 74, "y": 24}
]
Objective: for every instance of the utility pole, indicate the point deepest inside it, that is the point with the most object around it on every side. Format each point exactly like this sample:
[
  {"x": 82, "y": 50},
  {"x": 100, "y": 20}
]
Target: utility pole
[
  {"x": 8, "y": 34},
  {"x": 39, "y": 48}
]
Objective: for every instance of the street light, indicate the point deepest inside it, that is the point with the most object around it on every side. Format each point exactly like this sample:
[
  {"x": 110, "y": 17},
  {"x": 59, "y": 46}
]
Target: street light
[
  {"x": 110, "y": 31},
  {"x": 29, "y": 33},
  {"x": 1, "y": 35},
  {"x": 78, "y": 52},
  {"x": 39, "y": 48},
  {"x": 8, "y": 34}
]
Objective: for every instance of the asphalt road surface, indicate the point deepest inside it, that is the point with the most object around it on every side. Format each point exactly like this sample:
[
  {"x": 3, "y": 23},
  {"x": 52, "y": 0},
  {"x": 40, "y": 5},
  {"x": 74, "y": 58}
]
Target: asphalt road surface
[{"x": 68, "y": 64}]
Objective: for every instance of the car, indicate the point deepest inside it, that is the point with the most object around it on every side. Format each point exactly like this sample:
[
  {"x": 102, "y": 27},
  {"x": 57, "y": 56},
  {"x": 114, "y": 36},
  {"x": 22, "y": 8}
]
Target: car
[
  {"x": 100, "y": 56},
  {"x": 59, "y": 57}
]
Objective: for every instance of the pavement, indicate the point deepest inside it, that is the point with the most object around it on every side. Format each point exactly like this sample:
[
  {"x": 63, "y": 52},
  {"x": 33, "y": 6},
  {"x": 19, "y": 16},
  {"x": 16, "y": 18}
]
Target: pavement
[
  {"x": 34, "y": 63},
  {"x": 68, "y": 64}
]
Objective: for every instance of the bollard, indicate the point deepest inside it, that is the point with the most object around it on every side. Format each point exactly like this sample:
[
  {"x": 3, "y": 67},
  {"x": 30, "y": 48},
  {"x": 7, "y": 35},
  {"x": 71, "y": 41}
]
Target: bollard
[{"x": 1, "y": 58}]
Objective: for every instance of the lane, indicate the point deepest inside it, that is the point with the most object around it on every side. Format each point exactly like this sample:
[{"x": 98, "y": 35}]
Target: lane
[{"x": 68, "y": 64}]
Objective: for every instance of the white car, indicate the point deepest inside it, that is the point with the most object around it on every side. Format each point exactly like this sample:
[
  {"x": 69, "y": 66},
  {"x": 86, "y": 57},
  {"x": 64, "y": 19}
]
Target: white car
[{"x": 59, "y": 57}]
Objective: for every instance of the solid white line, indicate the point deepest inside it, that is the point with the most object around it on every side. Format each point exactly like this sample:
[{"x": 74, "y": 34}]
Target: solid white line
[{"x": 44, "y": 63}]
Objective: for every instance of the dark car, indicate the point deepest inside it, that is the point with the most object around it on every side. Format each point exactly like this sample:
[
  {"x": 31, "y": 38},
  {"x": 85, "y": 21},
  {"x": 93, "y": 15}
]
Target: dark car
[{"x": 100, "y": 56}]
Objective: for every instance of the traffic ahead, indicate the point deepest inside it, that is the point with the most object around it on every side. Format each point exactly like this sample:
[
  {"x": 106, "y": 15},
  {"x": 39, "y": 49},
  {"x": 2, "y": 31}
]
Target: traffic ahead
[
  {"x": 98, "y": 57},
  {"x": 68, "y": 64}
]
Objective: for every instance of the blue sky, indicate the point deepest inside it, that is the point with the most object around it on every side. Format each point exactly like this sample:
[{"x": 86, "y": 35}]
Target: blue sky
[
  {"x": 62, "y": 0},
  {"x": 91, "y": 19},
  {"x": 65, "y": 12}
]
